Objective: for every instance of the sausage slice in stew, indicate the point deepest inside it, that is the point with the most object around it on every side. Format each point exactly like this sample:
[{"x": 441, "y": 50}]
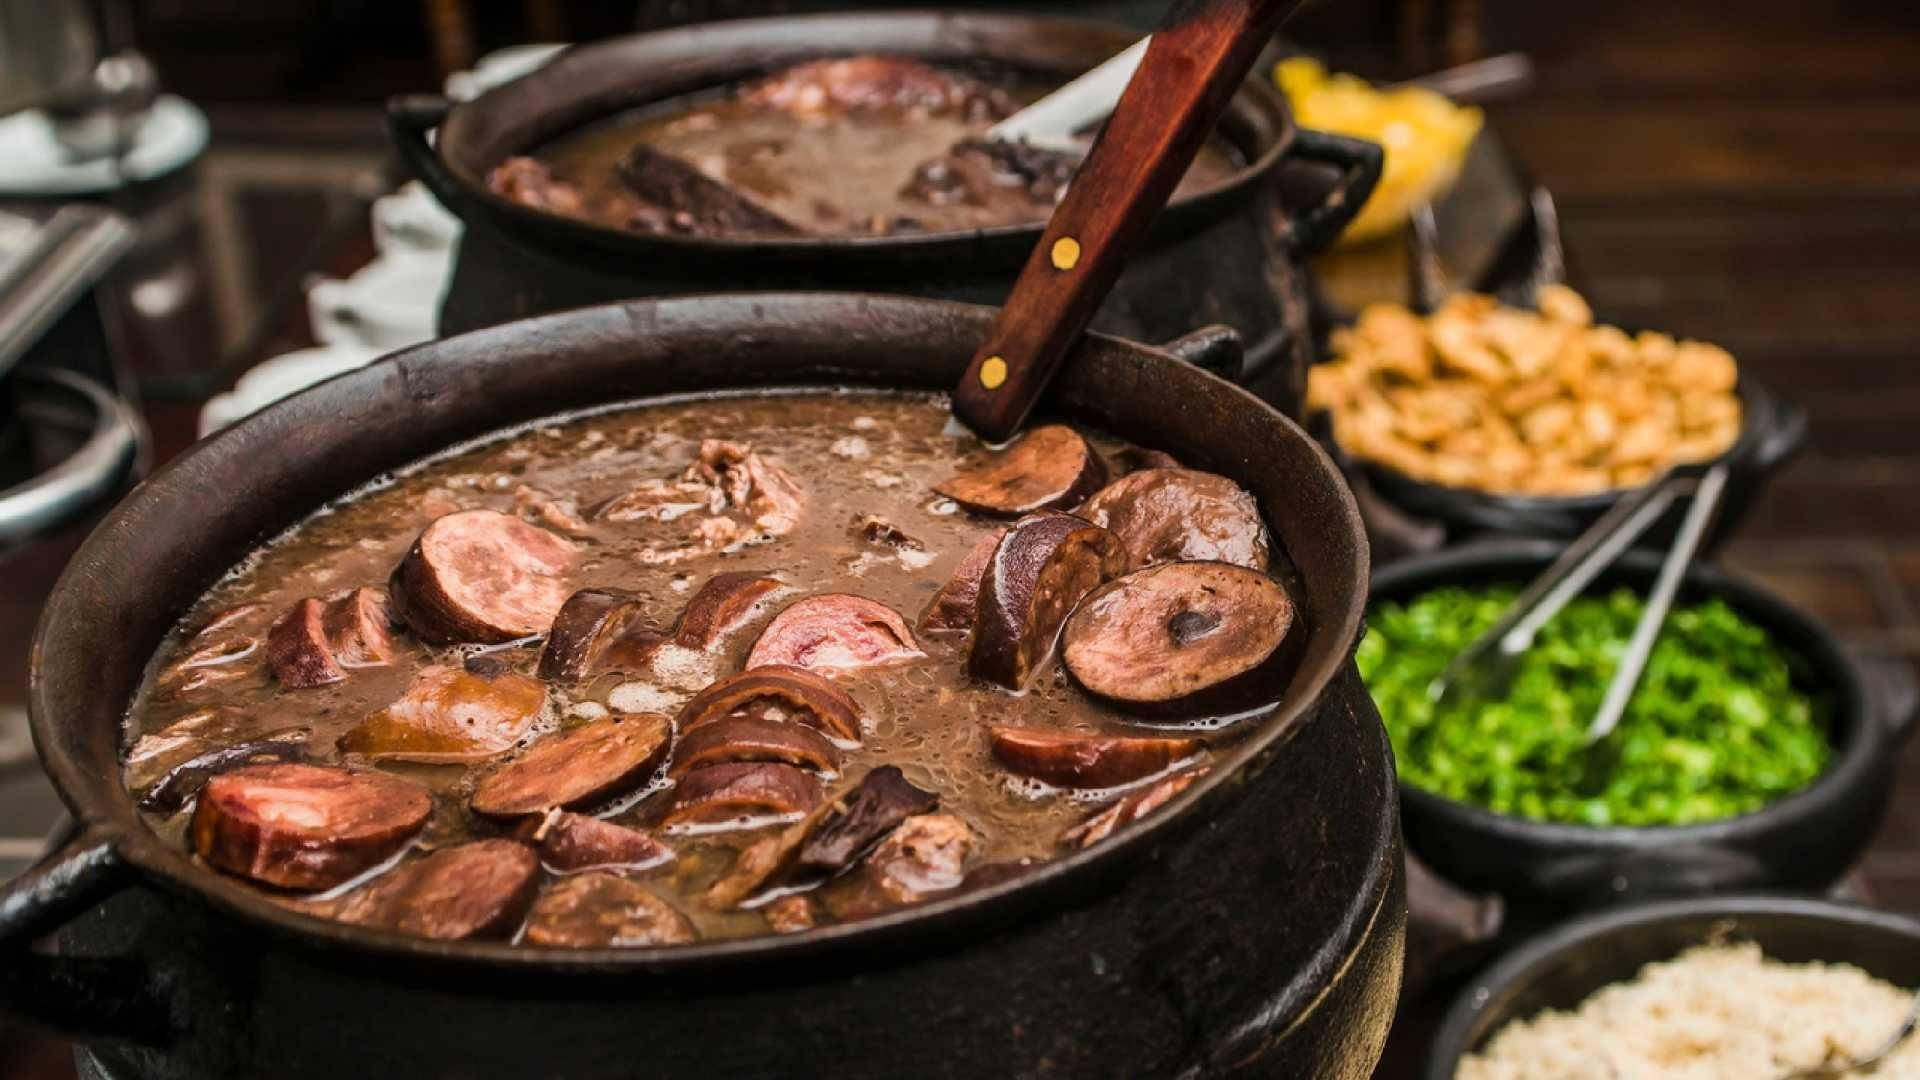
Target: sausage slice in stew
[
  {"x": 1070, "y": 760},
  {"x": 450, "y": 714},
  {"x": 569, "y": 842},
  {"x": 185, "y": 780},
  {"x": 804, "y": 695},
  {"x": 597, "y": 630},
  {"x": 357, "y": 627},
  {"x": 587, "y": 911},
  {"x": 481, "y": 576},
  {"x": 1041, "y": 569},
  {"x": 835, "y": 632},
  {"x": 754, "y": 738},
  {"x": 1047, "y": 468},
  {"x": 723, "y": 603},
  {"x": 297, "y": 647},
  {"x": 305, "y": 826},
  {"x": 1166, "y": 515},
  {"x": 880, "y": 802},
  {"x": 738, "y": 791},
  {"x": 952, "y": 607},
  {"x": 577, "y": 768},
  {"x": 1179, "y": 636},
  {"x": 480, "y": 889}
]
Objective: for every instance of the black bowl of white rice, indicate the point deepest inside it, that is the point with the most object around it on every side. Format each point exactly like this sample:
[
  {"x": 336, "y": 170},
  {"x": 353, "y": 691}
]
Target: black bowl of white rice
[{"x": 1740, "y": 987}]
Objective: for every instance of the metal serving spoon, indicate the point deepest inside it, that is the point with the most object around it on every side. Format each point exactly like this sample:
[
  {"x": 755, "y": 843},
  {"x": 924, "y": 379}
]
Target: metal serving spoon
[{"x": 1867, "y": 1061}]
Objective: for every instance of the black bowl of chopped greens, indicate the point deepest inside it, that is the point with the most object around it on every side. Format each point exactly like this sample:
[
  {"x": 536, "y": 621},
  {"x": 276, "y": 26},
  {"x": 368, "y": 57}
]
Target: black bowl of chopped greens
[{"x": 1750, "y": 756}]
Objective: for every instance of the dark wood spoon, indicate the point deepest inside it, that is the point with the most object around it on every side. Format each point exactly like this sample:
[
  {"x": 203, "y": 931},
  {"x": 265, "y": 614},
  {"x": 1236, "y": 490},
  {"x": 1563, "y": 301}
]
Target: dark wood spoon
[{"x": 1194, "y": 64}]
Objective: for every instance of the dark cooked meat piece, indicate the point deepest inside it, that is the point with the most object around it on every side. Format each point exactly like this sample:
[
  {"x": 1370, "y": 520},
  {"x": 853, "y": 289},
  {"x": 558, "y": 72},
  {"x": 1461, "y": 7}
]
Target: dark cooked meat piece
[
  {"x": 598, "y": 630},
  {"x": 475, "y": 890},
  {"x": 739, "y": 791},
  {"x": 185, "y": 780},
  {"x": 358, "y": 628},
  {"x": 835, "y": 632},
  {"x": 1129, "y": 808},
  {"x": 759, "y": 865},
  {"x": 876, "y": 82},
  {"x": 952, "y": 608},
  {"x": 297, "y": 647},
  {"x": 1180, "y": 636},
  {"x": 706, "y": 204},
  {"x": 790, "y": 914},
  {"x": 570, "y": 842},
  {"x": 1166, "y": 515},
  {"x": 1050, "y": 467},
  {"x": 305, "y": 826},
  {"x": 727, "y": 476},
  {"x": 797, "y": 692},
  {"x": 588, "y": 911},
  {"x": 721, "y": 604},
  {"x": 529, "y": 182},
  {"x": 880, "y": 532},
  {"x": 449, "y": 714},
  {"x": 1041, "y": 569},
  {"x": 873, "y": 808},
  {"x": 741, "y": 737},
  {"x": 481, "y": 576},
  {"x": 977, "y": 172},
  {"x": 577, "y": 768},
  {"x": 1077, "y": 760},
  {"x": 926, "y": 854}
]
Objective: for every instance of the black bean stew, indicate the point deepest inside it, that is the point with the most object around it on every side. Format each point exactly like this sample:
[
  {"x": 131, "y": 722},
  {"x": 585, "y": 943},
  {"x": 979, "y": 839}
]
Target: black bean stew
[{"x": 708, "y": 669}]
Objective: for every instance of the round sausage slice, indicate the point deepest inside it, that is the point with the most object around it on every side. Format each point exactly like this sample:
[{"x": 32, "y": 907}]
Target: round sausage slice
[
  {"x": 571, "y": 842},
  {"x": 1071, "y": 760},
  {"x": 450, "y": 714},
  {"x": 835, "y": 632},
  {"x": 723, "y": 793},
  {"x": 305, "y": 826},
  {"x": 1041, "y": 569},
  {"x": 475, "y": 890},
  {"x": 721, "y": 604},
  {"x": 588, "y": 911},
  {"x": 754, "y": 738},
  {"x": 576, "y": 768},
  {"x": 1048, "y": 467},
  {"x": 809, "y": 698},
  {"x": 597, "y": 630},
  {"x": 1166, "y": 515},
  {"x": 297, "y": 647},
  {"x": 481, "y": 576},
  {"x": 1179, "y": 637}
]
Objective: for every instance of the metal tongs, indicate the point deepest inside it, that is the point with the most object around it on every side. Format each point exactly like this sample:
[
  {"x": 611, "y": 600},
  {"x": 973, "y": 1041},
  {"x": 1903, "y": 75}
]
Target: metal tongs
[{"x": 1485, "y": 668}]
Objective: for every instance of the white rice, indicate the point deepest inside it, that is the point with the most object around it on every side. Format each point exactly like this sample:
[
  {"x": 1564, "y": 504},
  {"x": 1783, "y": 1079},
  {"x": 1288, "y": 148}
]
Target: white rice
[{"x": 1716, "y": 1012}]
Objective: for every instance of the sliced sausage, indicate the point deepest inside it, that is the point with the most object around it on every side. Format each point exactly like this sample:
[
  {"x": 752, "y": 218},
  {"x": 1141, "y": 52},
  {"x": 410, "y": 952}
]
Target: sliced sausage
[
  {"x": 873, "y": 808},
  {"x": 835, "y": 632},
  {"x": 807, "y": 697},
  {"x": 357, "y": 628},
  {"x": 577, "y": 768},
  {"x": 475, "y": 890},
  {"x": 297, "y": 647},
  {"x": 570, "y": 842},
  {"x": 952, "y": 607},
  {"x": 721, "y": 604},
  {"x": 727, "y": 792},
  {"x": 1070, "y": 760},
  {"x": 449, "y": 714},
  {"x": 589, "y": 911},
  {"x": 754, "y": 738},
  {"x": 1128, "y": 809},
  {"x": 185, "y": 780},
  {"x": 1047, "y": 468},
  {"x": 926, "y": 854},
  {"x": 481, "y": 576},
  {"x": 1166, "y": 515},
  {"x": 1180, "y": 637},
  {"x": 790, "y": 914},
  {"x": 1041, "y": 569},
  {"x": 597, "y": 630},
  {"x": 305, "y": 826}
]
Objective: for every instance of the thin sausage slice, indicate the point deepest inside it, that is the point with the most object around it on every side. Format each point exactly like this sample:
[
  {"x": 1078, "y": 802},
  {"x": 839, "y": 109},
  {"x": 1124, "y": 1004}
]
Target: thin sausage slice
[
  {"x": 577, "y": 768},
  {"x": 875, "y": 807},
  {"x": 723, "y": 793},
  {"x": 450, "y": 714},
  {"x": 1179, "y": 637},
  {"x": 721, "y": 604},
  {"x": 475, "y": 890},
  {"x": 597, "y": 630},
  {"x": 798, "y": 692},
  {"x": 297, "y": 647},
  {"x": 305, "y": 826},
  {"x": 952, "y": 607},
  {"x": 1049, "y": 467},
  {"x": 357, "y": 628},
  {"x": 835, "y": 632},
  {"x": 1041, "y": 569},
  {"x": 1166, "y": 515},
  {"x": 754, "y": 738},
  {"x": 1070, "y": 760},
  {"x": 571, "y": 842},
  {"x": 588, "y": 911},
  {"x": 1129, "y": 808},
  {"x": 481, "y": 576}
]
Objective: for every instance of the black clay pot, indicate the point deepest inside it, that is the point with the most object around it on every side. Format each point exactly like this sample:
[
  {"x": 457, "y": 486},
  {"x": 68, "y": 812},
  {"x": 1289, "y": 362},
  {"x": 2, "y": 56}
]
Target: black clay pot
[
  {"x": 1228, "y": 255},
  {"x": 1563, "y": 967},
  {"x": 1804, "y": 841},
  {"x": 1255, "y": 927}
]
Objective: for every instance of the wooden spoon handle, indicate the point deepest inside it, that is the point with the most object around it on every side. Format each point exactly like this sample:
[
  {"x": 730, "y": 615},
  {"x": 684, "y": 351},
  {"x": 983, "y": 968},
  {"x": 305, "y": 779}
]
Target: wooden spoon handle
[{"x": 1194, "y": 64}]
